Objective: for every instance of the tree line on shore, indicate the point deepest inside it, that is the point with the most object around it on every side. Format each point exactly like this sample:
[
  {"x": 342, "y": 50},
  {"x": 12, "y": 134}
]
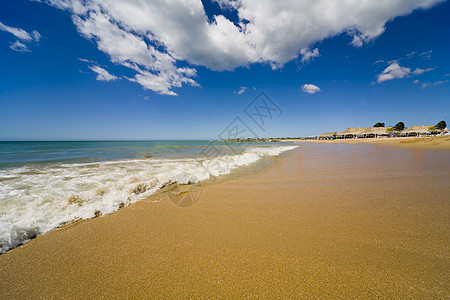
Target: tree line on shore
[{"x": 441, "y": 125}]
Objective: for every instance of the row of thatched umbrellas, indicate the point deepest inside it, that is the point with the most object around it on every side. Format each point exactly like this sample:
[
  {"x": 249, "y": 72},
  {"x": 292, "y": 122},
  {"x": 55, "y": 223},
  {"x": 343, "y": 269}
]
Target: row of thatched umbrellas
[{"x": 374, "y": 132}]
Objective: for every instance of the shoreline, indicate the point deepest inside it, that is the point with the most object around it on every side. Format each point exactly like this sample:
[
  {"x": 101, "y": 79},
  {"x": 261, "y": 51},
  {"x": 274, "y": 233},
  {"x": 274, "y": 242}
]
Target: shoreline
[
  {"x": 38, "y": 199},
  {"x": 428, "y": 142},
  {"x": 324, "y": 221}
]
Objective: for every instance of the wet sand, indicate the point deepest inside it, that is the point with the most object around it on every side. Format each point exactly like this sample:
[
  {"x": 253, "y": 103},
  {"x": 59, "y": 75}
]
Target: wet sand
[{"x": 328, "y": 221}]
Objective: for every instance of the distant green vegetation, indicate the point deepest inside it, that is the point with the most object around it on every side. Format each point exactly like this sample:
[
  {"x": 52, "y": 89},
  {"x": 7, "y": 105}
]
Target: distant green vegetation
[
  {"x": 441, "y": 125},
  {"x": 379, "y": 124},
  {"x": 399, "y": 126}
]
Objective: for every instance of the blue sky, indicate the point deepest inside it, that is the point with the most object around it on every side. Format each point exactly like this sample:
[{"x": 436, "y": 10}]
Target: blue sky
[{"x": 75, "y": 70}]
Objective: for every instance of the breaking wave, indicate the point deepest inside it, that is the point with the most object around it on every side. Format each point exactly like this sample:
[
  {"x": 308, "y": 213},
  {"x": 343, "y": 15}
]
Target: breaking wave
[{"x": 37, "y": 199}]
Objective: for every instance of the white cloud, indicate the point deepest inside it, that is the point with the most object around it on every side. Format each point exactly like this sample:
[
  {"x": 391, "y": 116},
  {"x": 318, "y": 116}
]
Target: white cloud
[
  {"x": 395, "y": 71},
  {"x": 280, "y": 28},
  {"x": 18, "y": 46},
  {"x": 36, "y": 35},
  {"x": 153, "y": 37},
  {"x": 228, "y": 4},
  {"x": 308, "y": 55},
  {"x": 149, "y": 81},
  {"x": 22, "y": 35},
  {"x": 419, "y": 71},
  {"x": 102, "y": 74},
  {"x": 424, "y": 85},
  {"x": 156, "y": 70},
  {"x": 86, "y": 60},
  {"x": 426, "y": 55},
  {"x": 19, "y": 33},
  {"x": 411, "y": 55},
  {"x": 357, "y": 41},
  {"x": 310, "y": 88},
  {"x": 242, "y": 90}
]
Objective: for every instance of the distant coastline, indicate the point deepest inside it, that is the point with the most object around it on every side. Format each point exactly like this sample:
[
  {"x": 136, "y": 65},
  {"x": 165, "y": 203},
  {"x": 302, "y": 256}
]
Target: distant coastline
[
  {"x": 429, "y": 142},
  {"x": 436, "y": 136}
]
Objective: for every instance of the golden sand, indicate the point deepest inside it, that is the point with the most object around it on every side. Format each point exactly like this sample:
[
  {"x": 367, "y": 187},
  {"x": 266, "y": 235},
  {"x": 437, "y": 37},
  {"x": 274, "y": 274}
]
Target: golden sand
[
  {"x": 432, "y": 142},
  {"x": 328, "y": 221}
]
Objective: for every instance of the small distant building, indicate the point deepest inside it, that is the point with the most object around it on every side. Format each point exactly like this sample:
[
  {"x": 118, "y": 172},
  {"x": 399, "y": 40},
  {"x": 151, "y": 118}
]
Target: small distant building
[
  {"x": 328, "y": 136},
  {"x": 416, "y": 131}
]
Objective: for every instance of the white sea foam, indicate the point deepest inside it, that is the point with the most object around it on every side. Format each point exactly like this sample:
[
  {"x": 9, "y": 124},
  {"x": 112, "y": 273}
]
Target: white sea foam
[{"x": 35, "y": 200}]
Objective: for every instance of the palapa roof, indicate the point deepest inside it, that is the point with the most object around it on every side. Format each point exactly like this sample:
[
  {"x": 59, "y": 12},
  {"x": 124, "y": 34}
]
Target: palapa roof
[
  {"x": 418, "y": 129},
  {"x": 352, "y": 130},
  {"x": 328, "y": 134},
  {"x": 375, "y": 130},
  {"x": 364, "y": 130}
]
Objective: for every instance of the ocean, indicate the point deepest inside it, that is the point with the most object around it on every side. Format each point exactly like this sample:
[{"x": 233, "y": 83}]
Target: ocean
[{"x": 44, "y": 185}]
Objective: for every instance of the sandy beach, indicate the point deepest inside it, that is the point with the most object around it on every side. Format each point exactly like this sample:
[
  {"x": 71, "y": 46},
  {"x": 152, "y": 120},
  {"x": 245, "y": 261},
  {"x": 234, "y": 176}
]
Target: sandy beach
[
  {"x": 327, "y": 221},
  {"x": 434, "y": 142},
  {"x": 224, "y": 149}
]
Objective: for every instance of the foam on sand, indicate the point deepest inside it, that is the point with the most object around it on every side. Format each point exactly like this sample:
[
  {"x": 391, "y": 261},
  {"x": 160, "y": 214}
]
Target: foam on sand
[{"x": 37, "y": 199}]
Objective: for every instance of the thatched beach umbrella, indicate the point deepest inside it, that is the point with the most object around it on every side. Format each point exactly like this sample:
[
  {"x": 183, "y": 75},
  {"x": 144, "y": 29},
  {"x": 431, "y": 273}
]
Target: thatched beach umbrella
[
  {"x": 362, "y": 132},
  {"x": 374, "y": 132},
  {"x": 328, "y": 136},
  {"x": 350, "y": 133},
  {"x": 416, "y": 131}
]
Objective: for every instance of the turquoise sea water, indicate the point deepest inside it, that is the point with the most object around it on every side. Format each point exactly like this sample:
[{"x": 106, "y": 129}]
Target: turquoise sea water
[{"x": 27, "y": 153}]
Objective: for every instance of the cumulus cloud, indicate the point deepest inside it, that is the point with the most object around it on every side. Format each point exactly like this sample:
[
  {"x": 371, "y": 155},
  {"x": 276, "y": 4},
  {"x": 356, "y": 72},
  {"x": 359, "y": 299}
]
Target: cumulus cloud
[
  {"x": 242, "y": 90},
  {"x": 357, "y": 40},
  {"x": 395, "y": 71},
  {"x": 153, "y": 37},
  {"x": 102, "y": 74},
  {"x": 310, "y": 88},
  {"x": 308, "y": 55}
]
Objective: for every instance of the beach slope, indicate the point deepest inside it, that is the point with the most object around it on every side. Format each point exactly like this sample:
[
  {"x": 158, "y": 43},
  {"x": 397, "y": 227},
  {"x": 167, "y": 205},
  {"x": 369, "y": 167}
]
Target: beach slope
[
  {"x": 327, "y": 221},
  {"x": 429, "y": 142}
]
